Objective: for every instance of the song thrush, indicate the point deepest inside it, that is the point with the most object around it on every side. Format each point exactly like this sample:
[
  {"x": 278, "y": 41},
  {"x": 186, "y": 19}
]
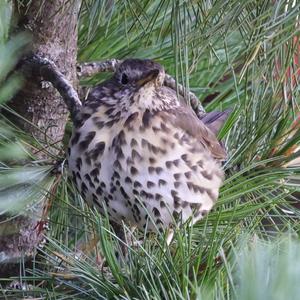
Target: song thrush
[{"x": 140, "y": 153}]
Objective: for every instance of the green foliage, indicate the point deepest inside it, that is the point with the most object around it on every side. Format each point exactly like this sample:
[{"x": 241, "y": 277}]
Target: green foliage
[
  {"x": 268, "y": 270},
  {"x": 237, "y": 54},
  {"x": 9, "y": 51},
  {"x": 21, "y": 184}
]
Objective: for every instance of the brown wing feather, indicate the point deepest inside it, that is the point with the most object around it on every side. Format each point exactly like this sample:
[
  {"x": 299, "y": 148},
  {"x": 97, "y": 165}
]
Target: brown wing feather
[{"x": 184, "y": 118}]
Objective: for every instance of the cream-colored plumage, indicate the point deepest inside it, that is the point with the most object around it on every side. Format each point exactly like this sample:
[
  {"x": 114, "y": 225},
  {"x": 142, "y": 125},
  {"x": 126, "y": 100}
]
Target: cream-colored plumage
[{"x": 139, "y": 153}]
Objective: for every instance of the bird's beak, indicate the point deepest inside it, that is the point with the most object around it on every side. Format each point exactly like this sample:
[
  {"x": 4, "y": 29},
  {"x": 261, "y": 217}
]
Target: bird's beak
[{"x": 150, "y": 76}]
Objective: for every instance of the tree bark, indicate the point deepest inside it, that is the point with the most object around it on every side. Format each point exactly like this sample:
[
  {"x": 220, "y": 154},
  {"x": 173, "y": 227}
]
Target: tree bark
[{"x": 53, "y": 27}]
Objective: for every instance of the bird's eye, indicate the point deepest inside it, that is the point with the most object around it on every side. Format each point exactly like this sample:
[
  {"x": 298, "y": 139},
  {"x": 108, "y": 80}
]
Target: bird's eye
[{"x": 124, "y": 78}]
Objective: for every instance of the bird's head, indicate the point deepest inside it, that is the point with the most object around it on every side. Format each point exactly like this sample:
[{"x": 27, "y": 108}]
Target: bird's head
[{"x": 138, "y": 73}]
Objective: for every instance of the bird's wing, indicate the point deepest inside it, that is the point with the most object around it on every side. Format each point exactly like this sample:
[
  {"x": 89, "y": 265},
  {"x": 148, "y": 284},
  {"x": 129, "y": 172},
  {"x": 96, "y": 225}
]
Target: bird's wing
[
  {"x": 214, "y": 120},
  {"x": 183, "y": 118}
]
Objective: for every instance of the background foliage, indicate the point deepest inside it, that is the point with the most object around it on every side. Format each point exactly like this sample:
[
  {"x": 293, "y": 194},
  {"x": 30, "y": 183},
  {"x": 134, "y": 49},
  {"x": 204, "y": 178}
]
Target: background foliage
[{"x": 232, "y": 54}]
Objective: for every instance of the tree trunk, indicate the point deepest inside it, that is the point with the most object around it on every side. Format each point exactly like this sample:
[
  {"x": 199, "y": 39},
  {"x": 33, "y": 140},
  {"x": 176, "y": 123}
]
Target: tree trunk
[{"x": 53, "y": 26}]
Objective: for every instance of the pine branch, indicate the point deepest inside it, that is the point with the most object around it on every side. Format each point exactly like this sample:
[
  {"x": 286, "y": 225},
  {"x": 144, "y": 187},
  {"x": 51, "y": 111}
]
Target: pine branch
[
  {"x": 37, "y": 66},
  {"x": 193, "y": 100},
  {"x": 92, "y": 68}
]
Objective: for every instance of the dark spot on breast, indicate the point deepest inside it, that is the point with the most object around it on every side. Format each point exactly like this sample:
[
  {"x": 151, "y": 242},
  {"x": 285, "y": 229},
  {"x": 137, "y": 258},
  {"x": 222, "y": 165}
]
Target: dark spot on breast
[
  {"x": 120, "y": 154},
  {"x": 116, "y": 175},
  {"x": 174, "y": 193},
  {"x": 188, "y": 174},
  {"x": 184, "y": 157},
  {"x": 88, "y": 178},
  {"x": 117, "y": 165},
  {"x": 137, "y": 184},
  {"x": 161, "y": 182},
  {"x": 133, "y": 171},
  {"x": 195, "y": 188},
  {"x": 146, "y": 118},
  {"x": 106, "y": 202},
  {"x": 117, "y": 115},
  {"x": 168, "y": 164},
  {"x": 129, "y": 161},
  {"x": 159, "y": 222},
  {"x": 164, "y": 140},
  {"x": 95, "y": 198},
  {"x": 195, "y": 206},
  {"x": 99, "y": 190},
  {"x": 200, "y": 163},
  {"x": 158, "y": 197},
  {"x": 151, "y": 170},
  {"x": 102, "y": 184},
  {"x": 136, "y": 209},
  {"x": 152, "y": 160},
  {"x": 121, "y": 139},
  {"x": 83, "y": 145},
  {"x": 129, "y": 120},
  {"x": 158, "y": 170},
  {"x": 113, "y": 189},
  {"x": 110, "y": 123},
  {"x": 146, "y": 195},
  {"x": 78, "y": 122},
  {"x": 124, "y": 194},
  {"x": 176, "y": 162},
  {"x": 83, "y": 187},
  {"x": 136, "y": 156},
  {"x": 128, "y": 180},
  {"x": 207, "y": 175},
  {"x": 177, "y": 176},
  {"x": 136, "y": 219},
  {"x": 184, "y": 204},
  {"x": 190, "y": 185},
  {"x": 99, "y": 124},
  {"x": 176, "y": 199},
  {"x": 85, "y": 116},
  {"x": 78, "y": 163},
  {"x": 156, "y": 212},
  {"x": 95, "y": 172},
  {"x": 162, "y": 204},
  {"x": 177, "y": 184},
  {"x": 88, "y": 160},
  {"x": 211, "y": 195},
  {"x": 150, "y": 184},
  {"x": 133, "y": 143},
  {"x": 109, "y": 111},
  {"x": 96, "y": 202},
  {"x": 176, "y": 136},
  {"x": 144, "y": 143},
  {"x": 194, "y": 168},
  {"x": 135, "y": 192},
  {"x": 156, "y": 150},
  {"x": 75, "y": 138},
  {"x": 97, "y": 150}
]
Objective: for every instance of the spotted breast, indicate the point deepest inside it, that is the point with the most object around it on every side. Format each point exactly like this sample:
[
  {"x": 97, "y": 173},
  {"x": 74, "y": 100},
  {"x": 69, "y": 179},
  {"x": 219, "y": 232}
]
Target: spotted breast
[{"x": 141, "y": 154}]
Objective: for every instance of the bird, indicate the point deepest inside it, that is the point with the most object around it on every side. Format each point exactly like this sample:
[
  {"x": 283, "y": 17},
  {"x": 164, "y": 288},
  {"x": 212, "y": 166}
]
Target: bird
[{"x": 139, "y": 153}]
